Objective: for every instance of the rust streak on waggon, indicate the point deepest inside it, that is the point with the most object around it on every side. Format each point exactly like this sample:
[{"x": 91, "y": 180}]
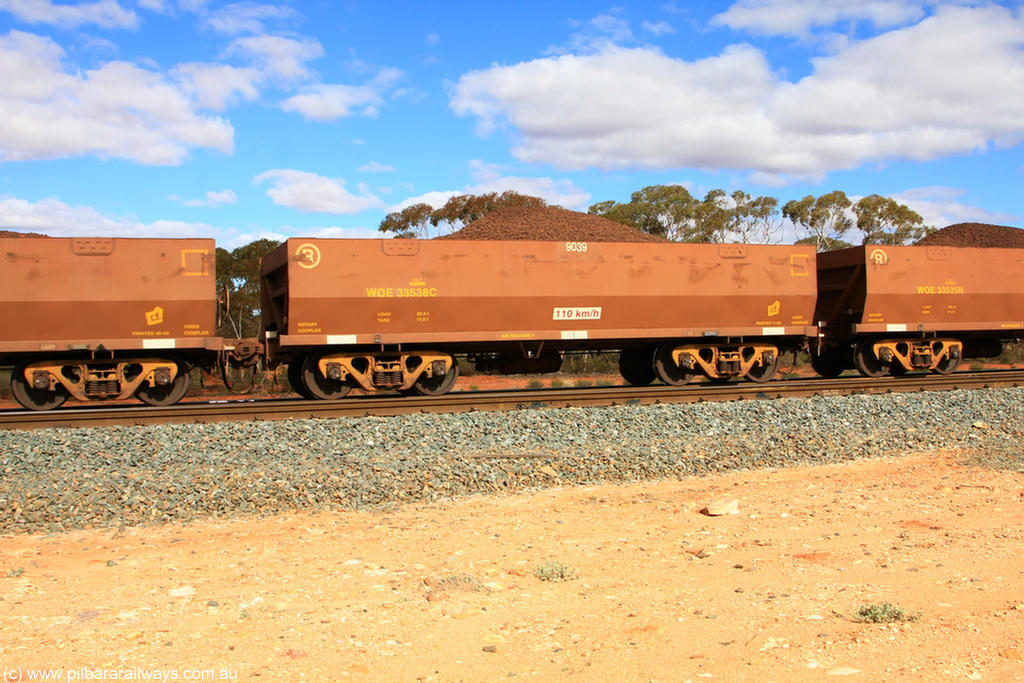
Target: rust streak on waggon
[{"x": 343, "y": 307}]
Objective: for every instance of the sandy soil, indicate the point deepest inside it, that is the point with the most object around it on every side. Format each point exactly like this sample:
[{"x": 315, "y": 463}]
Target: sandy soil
[{"x": 447, "y": 592}]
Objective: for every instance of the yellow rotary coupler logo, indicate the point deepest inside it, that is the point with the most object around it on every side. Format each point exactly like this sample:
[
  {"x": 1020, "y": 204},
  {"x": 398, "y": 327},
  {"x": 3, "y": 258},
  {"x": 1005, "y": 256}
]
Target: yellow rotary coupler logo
[
  {"x": 774, "y": 308},
  {"x": 308, "y": 255},
  {"x": 155, "y": 317},
  {"x": 878, "y": 257}
]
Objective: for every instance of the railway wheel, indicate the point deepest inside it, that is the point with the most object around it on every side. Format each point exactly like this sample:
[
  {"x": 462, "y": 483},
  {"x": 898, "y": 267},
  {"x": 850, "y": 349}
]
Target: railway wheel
[
  {"x": 666, "y": 369},
  {"x": 319, "y": 386},
  {"x": 946, "y": 365},
  {"x": 165, "y": 394},
  {"x": 867, "y": 363},
  {"x": 295, "y": 378},
  {"x": 764, "y": 371},
  {"x": 32, "y": 398},
  {"x": 238, "y": 378},
  {"x": 440, "y": 384},
  {"x": 829, "y": 364},
  {"x": 635, "y": 366}
]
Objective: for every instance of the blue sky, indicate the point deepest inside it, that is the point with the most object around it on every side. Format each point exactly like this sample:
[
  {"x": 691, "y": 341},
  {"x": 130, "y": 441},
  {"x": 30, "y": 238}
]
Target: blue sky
[{"x": 243, "y": 120}]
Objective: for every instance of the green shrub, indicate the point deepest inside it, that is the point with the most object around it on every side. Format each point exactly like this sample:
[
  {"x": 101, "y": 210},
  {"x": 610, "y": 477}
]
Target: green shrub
[
  {"x": 884, "y": 613},
  {"x": 555, "y": 571}
]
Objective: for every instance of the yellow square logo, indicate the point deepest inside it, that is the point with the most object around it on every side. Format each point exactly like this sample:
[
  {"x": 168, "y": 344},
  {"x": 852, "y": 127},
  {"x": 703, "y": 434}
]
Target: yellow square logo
[{"x": 155, "y": 317}]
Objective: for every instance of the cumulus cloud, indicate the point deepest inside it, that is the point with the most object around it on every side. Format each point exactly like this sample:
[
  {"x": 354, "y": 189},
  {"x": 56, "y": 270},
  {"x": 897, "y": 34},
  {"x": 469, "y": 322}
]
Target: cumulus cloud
[
  {"x": 952, "y": 83},
  {"x": 247, "y": 17},
  {"x": 306, "y": 191},
  {"x": 940, "y": 206},
  {"x": 105, "y": 13},
  {"x": 58, "y": 219},
  {"x": 215, "y": 86},
  {"x": 214, "y": 199},
  {"x": 798, "y": 17},
  {"x": 279, "y": 57},
  {"x": 330, "y": 102},
  {"x": 117, "y": 110},
  {"x": 493, "y": 178}
]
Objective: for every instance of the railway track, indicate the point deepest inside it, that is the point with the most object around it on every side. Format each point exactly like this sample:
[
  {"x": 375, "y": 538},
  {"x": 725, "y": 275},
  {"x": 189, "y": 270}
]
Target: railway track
[{"x": 283, "y": 409}]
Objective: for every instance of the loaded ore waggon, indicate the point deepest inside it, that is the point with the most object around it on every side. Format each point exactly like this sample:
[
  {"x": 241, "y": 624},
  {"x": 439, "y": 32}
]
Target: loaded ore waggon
[
  {"x": 392, "y": 314},
  {"x": 97, "y": 319},
  {"x": 894, "y": 309}
]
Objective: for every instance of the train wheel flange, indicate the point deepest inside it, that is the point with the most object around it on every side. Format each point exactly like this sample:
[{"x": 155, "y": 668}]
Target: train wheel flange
[
  {"x": 763, "y": 372},
  {"x": 295, "y": 378},
  {"x": 946, "y": 365},
  {"x": 318, "y": 386},
  {"x": 867, "y": 363},
  {"x": 35, "y": 399},
  {"x": 165, "y": 394},
  {"x": 437, "y": 385},
  {"x": 666, "y": 369}
]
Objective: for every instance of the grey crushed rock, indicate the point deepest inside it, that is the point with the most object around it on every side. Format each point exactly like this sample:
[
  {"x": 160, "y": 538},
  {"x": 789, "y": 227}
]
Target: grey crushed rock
[{"x": 61, "y": 479}]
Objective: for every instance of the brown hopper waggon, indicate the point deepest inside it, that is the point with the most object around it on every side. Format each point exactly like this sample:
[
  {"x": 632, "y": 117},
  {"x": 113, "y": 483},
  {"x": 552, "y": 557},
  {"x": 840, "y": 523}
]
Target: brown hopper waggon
[{"x": 100, "y": 319}]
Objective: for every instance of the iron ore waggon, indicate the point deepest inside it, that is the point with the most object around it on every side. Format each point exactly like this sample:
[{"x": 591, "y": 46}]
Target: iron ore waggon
[
  {"x": 112, "y": 318},
  {"x": 894, "y": 309},
  {"x": 106, "y": 318},
  {"x": 391, "y": 314}
]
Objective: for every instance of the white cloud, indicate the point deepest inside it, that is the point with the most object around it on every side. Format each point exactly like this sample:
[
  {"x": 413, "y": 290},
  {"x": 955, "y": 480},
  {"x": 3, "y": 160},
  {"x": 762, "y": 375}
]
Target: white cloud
[
  {"x": 117, "y": 110},
  {"x": 306, "y": 191},
  {"x": 58, "y": 219},
  {"x": 659, "y": 28},
  {"x": 492, "y": 178},
  {"x": 214, "y": 86},
  {"x": 105, "y": 13},
  {"x": 941, "y": 206},
  {"x": 330, "y": 102},
  {"x": 798, "y": 17},
  {"x": 434, "y": 199},
  {"x": 279, "y": 57},
  {"x": 214, "y": 199},
  {"x": 597, "y": 34},
  {"x": 246, "y": 17},
  {"x": 375, "y": 167},
  {"x": 953, "y": 83}
]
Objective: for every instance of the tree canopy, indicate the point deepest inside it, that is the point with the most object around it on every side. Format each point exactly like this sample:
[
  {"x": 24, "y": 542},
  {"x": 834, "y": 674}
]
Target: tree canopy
[
  {"x": 238, "y": 281},
  {"x": 828, "y": 221},
  {"x": 670, "y": 211},
  {"x": 418, "y": 219}
]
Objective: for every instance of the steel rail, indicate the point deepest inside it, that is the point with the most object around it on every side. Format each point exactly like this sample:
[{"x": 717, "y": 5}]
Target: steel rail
[{"x": 296, "y": 408}]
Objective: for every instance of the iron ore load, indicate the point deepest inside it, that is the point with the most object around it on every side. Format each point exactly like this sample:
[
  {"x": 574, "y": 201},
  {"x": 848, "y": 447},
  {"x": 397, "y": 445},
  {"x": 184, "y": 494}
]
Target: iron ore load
[
  {"x": 393, "y": 314},
  {"x": 108, "y": 318}
]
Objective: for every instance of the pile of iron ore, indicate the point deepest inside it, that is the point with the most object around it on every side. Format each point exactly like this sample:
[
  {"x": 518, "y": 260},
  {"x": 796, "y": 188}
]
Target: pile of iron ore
[
  {"x": 548, "y": 223},
  {"x": 976, "y": 235},
  {"x": 11, "y": 233}
]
